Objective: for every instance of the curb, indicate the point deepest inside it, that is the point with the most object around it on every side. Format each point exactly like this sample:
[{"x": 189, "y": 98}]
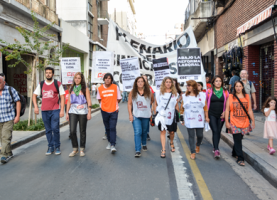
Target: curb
[
  {"x": 39, "y": 134},
  {"x": 256, "y": 162}
]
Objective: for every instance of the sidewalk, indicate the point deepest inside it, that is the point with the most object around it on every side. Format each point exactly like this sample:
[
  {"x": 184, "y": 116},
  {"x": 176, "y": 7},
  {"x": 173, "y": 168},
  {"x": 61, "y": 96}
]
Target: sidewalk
[
  {"x": 255, "y": 150},
  {"x": 22, "y": 137}
]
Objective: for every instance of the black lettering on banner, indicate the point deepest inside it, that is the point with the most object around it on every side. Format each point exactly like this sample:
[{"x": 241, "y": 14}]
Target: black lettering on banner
[
  {"x": 134, "y": 44},
  {"x": 157, "y": 50},
  {"x": 168, "y": 48},
  {"x": 145, "y": 67},
  {"x": 187, "y": 41},
  {"x": 173, "y": 70},
  {"x": 143, "y": 47},
  {"x": 118, "y": 60}
]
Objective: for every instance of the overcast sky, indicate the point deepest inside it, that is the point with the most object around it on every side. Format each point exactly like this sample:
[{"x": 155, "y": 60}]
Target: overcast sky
[{"x": 156, "y": 17}]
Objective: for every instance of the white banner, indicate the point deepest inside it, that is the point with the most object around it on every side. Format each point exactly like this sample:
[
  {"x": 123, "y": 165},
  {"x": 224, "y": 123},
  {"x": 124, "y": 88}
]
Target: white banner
[
  {"x": 124, "y": 45},
  {"x": 130, "y": 71},
  {"x": 161, "y": 69},
  {"x": 103, "y": 62},
  {"x": 70, "y": 66}
]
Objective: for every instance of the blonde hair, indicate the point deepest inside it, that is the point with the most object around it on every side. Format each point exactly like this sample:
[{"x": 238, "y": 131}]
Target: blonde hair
[{"x": 172, "y": 88}]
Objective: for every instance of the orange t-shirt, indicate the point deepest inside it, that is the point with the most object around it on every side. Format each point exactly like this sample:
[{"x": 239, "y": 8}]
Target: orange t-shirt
[
  {"x": 237, "y": 115},
  {"x": 108, "y": 98}
]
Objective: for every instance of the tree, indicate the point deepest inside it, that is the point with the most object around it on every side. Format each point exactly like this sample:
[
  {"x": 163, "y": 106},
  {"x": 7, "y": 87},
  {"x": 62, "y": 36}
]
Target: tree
[{"x": 36, "y": 47}]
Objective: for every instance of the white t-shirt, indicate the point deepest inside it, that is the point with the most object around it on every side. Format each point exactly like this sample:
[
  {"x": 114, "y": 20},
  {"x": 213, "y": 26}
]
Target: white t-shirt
[
  {"x": 170, "y": 111},
  {"x": 194, "y": 110},
  {"x": 272, "y": 116},
  {"x": 38, "y": 89},
  {"x": 93, "y": 87}
]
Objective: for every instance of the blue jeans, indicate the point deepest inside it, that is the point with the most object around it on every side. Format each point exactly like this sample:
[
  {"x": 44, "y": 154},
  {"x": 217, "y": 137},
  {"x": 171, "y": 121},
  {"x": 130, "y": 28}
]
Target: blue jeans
[
  {"x": 51, "y": 120},
  {"x": 124, "y": 96},
  {"x": 110, "y": 121},
  {"x": 140, "y": 126}
]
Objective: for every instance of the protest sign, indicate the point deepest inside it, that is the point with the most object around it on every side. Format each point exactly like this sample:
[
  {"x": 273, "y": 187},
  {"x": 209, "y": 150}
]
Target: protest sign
[
  {"x": 70, "y": 66},
  {"x": 161, "y": 69},
  {"x": 130, "y": 71},
  {"x": 103, "y": 62}
]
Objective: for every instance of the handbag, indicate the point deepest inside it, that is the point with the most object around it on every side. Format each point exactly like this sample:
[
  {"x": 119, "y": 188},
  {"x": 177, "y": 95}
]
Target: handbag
[{"x": 152, "y": 122}]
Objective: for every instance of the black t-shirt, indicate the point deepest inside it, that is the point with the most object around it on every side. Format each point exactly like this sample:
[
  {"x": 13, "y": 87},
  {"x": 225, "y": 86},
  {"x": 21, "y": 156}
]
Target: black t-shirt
[{"x": 216, "y": 105}]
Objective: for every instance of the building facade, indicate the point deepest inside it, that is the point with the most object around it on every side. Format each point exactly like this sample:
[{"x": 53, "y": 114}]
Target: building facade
[
  {"x": 18, "y": 13},
  {"x": 91, "y": 18}
]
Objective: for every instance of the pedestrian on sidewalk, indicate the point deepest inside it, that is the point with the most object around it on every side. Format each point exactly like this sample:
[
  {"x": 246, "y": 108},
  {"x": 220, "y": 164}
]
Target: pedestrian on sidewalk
[
  {"x": 270, "y": 126},
  {"x": 193, "y": 105},
  {"x": 234, "y": 79},
  {"x": 152, "y": 91},
  {"x": 124, "y": 96},
  {"x": 216, "y": 103},
  {"x": 239, "y": 108},
  {"x": 166, "y": 108},
  {"x": 93, "y": 89},
  {"x": 109, "y": 96},
  {"x": 10, "y": 115},
  {"x": 52, "y": 109},
  {"x": 139, "y": 108},
  {"x": 78, "y": 110},
  {"x": 3, "y": 75},
  {"x": 208, "y": 84}
]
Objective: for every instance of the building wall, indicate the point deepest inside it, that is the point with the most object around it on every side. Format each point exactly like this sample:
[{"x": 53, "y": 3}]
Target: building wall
[
  {"x": 239, "y": 13},
  {"x": 72, "y": 10}
]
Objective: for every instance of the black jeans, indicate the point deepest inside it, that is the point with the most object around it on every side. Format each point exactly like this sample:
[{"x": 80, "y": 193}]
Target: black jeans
[
  {"x": 74, "y": 119},
  {"x": 237, "y": 149},
  {"x": 216, "y": 126}
]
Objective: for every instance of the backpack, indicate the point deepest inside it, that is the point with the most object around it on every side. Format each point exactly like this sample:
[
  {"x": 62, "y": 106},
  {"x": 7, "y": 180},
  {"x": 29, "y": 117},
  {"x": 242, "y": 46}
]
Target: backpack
[
  {"x": 250, "y": 83},
  {"x": 22, "y": 101},
  {"x": 56, "y": 86}
]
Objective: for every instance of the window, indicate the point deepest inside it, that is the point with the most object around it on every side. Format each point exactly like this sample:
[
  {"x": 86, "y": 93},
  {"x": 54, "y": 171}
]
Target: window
[
  {"x": 90, "y": 54},
  {"x": 99, "y": 31},
  {"x": 90, "y": 19},
  {"x": 90, "y": 5}
]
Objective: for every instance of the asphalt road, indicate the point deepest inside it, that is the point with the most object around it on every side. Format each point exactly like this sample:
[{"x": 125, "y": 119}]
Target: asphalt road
[{"x": 101, "y": 175}]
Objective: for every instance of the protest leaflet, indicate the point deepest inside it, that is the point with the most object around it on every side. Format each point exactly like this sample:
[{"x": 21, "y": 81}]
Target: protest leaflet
[
  {"x": 70, "y": 66},
  {"x": 189, "y": 64},
  {"x": 130, "y": 71},
  {"x": 161, "y": 69}
]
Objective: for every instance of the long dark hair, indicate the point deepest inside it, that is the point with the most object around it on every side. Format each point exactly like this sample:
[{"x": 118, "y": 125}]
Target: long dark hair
[
  {"x": 266, "y": 104},
  {"x": 146, "y": 88},
  {"x": 177, "y": 85},
  {"x": 234, "y": 90},
  {"x": 215, "y": 77},
  {"x": 83, "y": 83}
]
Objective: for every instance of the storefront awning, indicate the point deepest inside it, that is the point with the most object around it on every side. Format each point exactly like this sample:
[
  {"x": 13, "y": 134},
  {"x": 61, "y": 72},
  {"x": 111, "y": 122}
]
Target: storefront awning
[{"x": 255, "y": 20}]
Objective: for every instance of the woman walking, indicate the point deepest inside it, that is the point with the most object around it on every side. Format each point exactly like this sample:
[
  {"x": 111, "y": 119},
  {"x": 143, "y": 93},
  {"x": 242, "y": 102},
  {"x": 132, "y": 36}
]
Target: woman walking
[
  {"x": 216, "y": 103},
  {"x": 78, "y": 110},
  {"x": 139, "y": 108},
  {"x": 193, "y": 105},
  {"x": 239, "y": 108},
  {"x": 165, "y": 105}
]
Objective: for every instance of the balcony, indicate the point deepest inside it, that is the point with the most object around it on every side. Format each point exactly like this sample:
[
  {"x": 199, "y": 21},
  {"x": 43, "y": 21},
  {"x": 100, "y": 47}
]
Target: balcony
[
  {"x": 47, "y": 9},
  {"x": 103, "y": 17},
  {"x": 200, "y": 9}
]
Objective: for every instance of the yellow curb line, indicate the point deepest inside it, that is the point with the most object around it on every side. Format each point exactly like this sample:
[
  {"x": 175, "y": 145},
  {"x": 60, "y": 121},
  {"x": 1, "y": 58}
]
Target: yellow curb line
[{"x": 206, "y": 195}]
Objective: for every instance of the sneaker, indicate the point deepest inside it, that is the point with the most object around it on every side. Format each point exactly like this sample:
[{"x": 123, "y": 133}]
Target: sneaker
[
  {"x": 144, "y": 148},
  {"x": 73, "y": 153},
  {"x": 138, "y": 154},
  {"x": 213, "y": 150},
  {"x": 58, "y": 151},
  {"x": 82, "y": 153},
  {"x": 268, "y": 147},
  {"x": 217, "y": 154},
  {"x": 3, "y": 160},
  {"x": 49, "y": 151},
  {"x": 271, "y": 151},
  {"x": 104, "y": 138},
  {"x": 108, "y": 146},
  {"x": 148, "y": 137},
  {"x": 113, "y": 149}
]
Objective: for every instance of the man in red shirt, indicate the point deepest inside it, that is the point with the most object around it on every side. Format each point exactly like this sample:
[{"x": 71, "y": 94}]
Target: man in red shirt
[{"x": 51, "y": 109}]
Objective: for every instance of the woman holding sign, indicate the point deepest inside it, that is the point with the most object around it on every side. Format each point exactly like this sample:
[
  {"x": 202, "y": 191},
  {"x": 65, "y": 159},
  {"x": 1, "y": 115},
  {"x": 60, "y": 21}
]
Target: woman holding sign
[
  {"x": 193, "y": 104},
  {"x": 165, "y": 105},
  {"x": 139, "y": 108}
]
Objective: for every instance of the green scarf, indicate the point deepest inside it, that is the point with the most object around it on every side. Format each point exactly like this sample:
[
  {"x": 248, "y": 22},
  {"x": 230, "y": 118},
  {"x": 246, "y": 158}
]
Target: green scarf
[
  {"x": 218, "y": 93},
  {"x": 77, "y": 89}
]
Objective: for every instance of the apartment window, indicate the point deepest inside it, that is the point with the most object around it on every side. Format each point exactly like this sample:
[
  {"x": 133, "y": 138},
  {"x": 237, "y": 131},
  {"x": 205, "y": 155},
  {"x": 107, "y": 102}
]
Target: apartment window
[
  {"x": 99, "y": 31},
  {"x": 90, "y": 19},
  {"x": 90, "y": 54},
  {"x": 90, "y": 5}
]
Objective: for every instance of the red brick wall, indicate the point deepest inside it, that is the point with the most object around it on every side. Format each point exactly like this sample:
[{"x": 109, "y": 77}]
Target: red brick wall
[
  {"x": 239, "y": 13},
  {"x": 252, "y": 64},
  {"x": 218, "y": 66}
]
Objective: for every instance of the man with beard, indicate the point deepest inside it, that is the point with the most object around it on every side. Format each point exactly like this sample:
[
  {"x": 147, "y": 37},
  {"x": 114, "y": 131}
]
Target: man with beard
[{"x": 52, "y": 109}]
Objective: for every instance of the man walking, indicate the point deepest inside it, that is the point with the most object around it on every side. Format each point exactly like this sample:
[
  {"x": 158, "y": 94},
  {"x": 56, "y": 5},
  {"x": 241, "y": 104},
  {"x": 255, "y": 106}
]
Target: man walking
[
  {"x": 93, "y": 88},
  {"x": 248, "y": 87},
  {"x": 234, "y": 79},
  {"x": 51, "y": 111},
  {"x": 109, "y": 96},
  {"x": 8, "y": 118}
]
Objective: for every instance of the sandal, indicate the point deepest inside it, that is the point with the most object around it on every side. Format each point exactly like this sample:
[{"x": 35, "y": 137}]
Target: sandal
[
  {"x": 162, "y": 154},
  {"x": 172, "y": 148},
  {"x": 241, "y": 163}
]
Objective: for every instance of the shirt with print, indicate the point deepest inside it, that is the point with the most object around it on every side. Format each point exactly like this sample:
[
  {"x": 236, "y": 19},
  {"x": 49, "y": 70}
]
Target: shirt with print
[
  {"x": 194, "y": 110},
  {"x": 7, "y": 107},
  {"x": 272, "y": 115},
  {"x": 50, "y": 96},
  {"x": 162, "y": 100},
  {"x": 108, "y": 97},
  {"x": 78, "y": 103},
  {"x": 142, "y": 106}
]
